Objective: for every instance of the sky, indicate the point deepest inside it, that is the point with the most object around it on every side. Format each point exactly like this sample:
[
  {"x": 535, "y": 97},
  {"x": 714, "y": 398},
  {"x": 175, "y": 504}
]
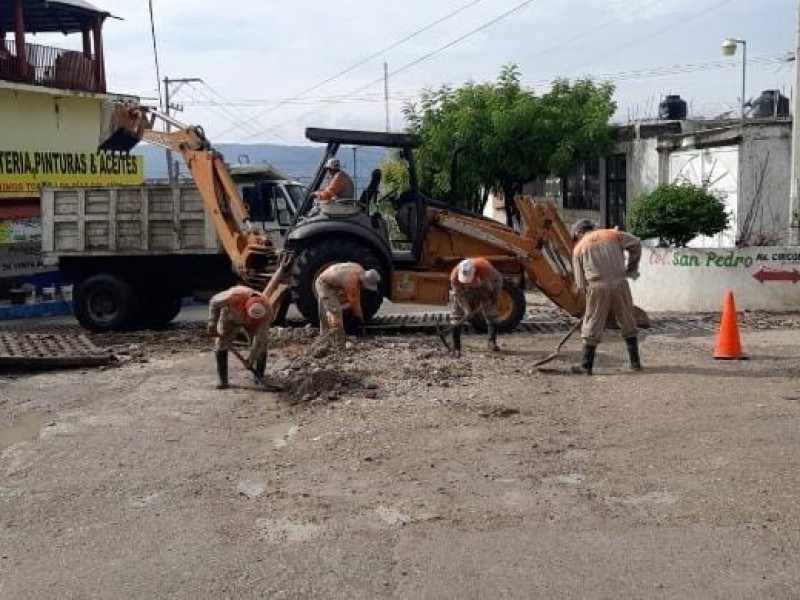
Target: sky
[{"x": 259, "y": 60}]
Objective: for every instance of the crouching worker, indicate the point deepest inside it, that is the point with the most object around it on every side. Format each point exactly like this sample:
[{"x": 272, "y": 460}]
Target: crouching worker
[
  {"x": 339, "y": 289},
  {"x": 475, "y": 288},
  {"x": 601, "y": 271},
  {"x": 237, "y": 308}
]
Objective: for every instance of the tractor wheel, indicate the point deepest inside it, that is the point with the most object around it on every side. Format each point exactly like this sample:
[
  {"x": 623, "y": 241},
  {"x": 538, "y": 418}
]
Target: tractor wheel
[
  {"x": 160, "y": 310},
  {"x": 106, "y": 303},
  {"x": 510, "y": 312},
  {"x": 315, "y": 258}
]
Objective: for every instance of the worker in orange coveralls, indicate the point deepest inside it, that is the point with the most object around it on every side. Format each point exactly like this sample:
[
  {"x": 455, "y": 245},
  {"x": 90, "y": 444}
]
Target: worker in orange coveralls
[
  {"x": 339, "y": 186},
  {"x": 239, "y": 307},
  {"x": 338, "y": 289},
  {"x": 601, "y": 271},
  {"x": 475, "y": 288}
]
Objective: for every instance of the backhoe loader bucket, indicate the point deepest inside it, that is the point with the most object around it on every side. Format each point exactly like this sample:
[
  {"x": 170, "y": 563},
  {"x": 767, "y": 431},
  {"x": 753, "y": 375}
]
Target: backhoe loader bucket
[{"x": 121, "y": 127}]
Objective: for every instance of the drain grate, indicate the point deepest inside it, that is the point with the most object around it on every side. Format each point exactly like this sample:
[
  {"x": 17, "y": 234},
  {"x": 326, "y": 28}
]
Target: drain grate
[{"x": 50, "y": 350}]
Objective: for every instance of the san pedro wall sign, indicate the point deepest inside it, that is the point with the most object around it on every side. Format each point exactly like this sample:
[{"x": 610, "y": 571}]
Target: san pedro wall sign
[
  {"x": 23, "y": 172},
  {"x": 697, "y": 279}
]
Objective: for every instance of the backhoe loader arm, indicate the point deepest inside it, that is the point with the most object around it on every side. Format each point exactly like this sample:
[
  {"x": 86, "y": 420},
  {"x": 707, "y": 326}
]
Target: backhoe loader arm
[{"x": 125, "y": 125}]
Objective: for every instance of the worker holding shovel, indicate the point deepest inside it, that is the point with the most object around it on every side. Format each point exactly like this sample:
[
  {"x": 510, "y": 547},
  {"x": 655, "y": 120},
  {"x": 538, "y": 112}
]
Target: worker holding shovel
[
  {"x": 235, "y": 309},
  {"x": 338, "y": 290},
  {"x": 601, "y": 271},
  {"x": 474, "y": 289}
]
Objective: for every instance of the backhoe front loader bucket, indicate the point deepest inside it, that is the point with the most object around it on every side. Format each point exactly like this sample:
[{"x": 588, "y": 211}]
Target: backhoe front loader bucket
[{"x": 121, "y": 127}]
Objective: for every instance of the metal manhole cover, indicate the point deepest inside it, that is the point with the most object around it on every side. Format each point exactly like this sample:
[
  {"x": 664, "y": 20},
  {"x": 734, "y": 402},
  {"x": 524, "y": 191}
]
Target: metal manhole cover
[{"x": 50, "y": 349}]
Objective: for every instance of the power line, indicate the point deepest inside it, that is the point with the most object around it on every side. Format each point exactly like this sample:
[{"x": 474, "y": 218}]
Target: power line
[
  {"x": 422, "y": 58},
  {"x": 367, "y": 59},
  {"x": 155, "y": 52}
]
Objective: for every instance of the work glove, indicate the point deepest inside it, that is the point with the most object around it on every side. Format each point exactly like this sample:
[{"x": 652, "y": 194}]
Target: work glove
[
  {"x": 632, "y": 275},
  {"x": 211, "y": 328}
]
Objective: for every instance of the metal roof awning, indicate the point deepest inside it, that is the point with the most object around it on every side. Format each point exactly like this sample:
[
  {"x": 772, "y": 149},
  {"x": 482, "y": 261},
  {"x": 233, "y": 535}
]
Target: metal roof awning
[{"x": 51, "y": 16}]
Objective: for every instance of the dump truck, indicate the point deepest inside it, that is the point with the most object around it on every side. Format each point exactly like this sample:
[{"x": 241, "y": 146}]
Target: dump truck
[
  {"x": 133, "y": 253},
  {"x": 353, "y": 229}
]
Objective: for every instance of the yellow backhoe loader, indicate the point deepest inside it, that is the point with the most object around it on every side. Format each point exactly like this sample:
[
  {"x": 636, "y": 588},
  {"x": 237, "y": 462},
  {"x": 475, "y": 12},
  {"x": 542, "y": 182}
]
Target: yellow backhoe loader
[{"x": 352, "y": 229}]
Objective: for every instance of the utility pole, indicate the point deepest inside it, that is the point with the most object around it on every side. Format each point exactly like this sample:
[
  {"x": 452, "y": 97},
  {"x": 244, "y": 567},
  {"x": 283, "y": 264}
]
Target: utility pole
[
  {"x": 386, "y": 92},
  {"x": 355, "y": 173},
  {"x": 794, "y": 184},
  {"x": 171, "y": 174}
]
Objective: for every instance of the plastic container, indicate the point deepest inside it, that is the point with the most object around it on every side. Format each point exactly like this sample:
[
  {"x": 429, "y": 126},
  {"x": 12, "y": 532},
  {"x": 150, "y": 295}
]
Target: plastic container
[
  {"x": 66, "y": 293},
  {"x": 49, "y": 293}
]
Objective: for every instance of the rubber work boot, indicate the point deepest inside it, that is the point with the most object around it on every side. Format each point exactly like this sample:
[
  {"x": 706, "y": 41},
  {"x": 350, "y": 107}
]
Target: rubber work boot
[
  {"x": 491, "y": 344},
  {"x": 222, "y": 369},
  {"x": 587, "y": 362},
  {"x": 457, "y": 341},
  {"x": 633, "y": 353},
  {"x": 260, "y": 368}
]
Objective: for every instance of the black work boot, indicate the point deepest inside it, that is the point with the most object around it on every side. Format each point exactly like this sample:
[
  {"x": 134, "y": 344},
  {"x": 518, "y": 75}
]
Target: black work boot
[
  {"x": 222, "y": 369},
  {"x": 260, "y": 368},
  {"x": 633, "y": 353},
  {"x": 491, "y": 344},
  {"x": 587, "y": 362},
  {"x": 457, "y": 341}
]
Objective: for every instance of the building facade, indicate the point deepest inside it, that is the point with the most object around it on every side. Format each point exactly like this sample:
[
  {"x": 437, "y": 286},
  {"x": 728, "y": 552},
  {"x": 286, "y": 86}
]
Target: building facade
[{"x": 51, "y": 106}]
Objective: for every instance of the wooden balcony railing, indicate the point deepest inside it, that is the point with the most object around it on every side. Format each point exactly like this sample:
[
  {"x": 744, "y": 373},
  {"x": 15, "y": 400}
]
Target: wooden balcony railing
[{"x": 50, "y": 67}]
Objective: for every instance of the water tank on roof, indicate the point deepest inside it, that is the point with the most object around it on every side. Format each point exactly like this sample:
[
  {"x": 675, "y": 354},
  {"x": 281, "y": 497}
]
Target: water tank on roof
[
  {"x": 672, "y": 108},
  {"x": 771, "y": 103}
]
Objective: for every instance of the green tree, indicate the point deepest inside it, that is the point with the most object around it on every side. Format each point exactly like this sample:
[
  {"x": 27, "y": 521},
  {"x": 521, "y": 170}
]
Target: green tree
[
  {"x": 676, "y": 214},
  {"x": 506, "y": 135}
]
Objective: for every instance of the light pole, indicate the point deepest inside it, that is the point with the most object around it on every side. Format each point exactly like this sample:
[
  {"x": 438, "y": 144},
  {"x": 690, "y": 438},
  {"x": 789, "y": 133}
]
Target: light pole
[
  {"x": 794, "y": 183},
  {"x": 729, "y": 49},
  {"x": 167, "y": 106}
]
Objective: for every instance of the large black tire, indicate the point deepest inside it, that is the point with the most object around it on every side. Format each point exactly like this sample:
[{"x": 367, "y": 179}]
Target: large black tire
[
  {"x": 511, "y": 309},
  {"x": 106, "y": 303},
  {"x": 315, "y": 257},
  {"x": 160, "y": 310}
]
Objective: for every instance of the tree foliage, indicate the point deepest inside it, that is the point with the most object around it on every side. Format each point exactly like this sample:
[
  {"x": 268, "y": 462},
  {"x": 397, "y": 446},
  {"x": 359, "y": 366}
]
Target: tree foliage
[
  {"x": 506, "y": 134},
  {"x": 676, "y": 214}
]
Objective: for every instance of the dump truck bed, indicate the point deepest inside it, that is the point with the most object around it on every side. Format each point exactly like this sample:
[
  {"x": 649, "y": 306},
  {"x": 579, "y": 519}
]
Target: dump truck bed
[{"x": 142, "y": 220}]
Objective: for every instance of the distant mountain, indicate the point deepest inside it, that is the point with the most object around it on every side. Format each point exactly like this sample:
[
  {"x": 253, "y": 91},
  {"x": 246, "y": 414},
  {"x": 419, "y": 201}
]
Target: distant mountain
[{"x": 299, "y": 162}]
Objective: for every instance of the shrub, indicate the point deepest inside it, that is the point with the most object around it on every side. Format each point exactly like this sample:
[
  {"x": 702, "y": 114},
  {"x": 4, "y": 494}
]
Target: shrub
[{"x": 676, "y": 214}]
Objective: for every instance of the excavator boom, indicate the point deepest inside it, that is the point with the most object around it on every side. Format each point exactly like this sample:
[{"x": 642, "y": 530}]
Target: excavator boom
[{"x": 124, "y": 125}]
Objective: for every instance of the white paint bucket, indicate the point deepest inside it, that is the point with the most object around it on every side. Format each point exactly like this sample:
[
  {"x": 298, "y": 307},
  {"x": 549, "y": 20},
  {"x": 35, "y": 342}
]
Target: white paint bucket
[{"x": 66, "y": 293}]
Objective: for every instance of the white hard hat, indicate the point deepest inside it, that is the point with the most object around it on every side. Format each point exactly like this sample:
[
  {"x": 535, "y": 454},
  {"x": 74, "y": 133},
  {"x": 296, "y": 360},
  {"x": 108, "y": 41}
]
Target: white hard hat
[
  {"x": 466, "y": 271},
  {"x": 370, "y": 279},
  {"x": 256, "y": 309},
  {"x": 333, "y": 163}
]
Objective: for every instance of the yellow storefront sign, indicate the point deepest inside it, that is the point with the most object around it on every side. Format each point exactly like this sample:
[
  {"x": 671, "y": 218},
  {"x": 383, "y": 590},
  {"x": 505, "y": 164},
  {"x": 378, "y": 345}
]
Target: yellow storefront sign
[{"x": 24, "y": 172}]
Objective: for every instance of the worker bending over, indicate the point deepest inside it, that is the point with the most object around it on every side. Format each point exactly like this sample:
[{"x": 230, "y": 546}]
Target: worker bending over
[
  {"x": 339, "y": 186},
  {"x": 475, "y": 288},
  {"x": 600, "y": 270},
  {"x": 237, "y": 308},
  {"x": 338, "y": 289}
]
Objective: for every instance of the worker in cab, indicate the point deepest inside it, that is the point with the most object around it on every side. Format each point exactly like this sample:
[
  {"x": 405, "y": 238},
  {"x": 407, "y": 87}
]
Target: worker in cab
[
  {"x": 340, "y": 185},
  {"x": 474, "y": 289},
  {"x": 235, "y": 309},
  {"x": 601, "y": 272},
  {"x": 338, "y": 290}
]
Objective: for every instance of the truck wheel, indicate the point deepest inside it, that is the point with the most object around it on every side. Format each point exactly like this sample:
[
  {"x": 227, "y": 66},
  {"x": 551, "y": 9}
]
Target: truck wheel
[
  {"x": 105, "y": 303},
  {"x": 315, "y": 258},
  {"x": 510, "y": 311},
  {"x": 160, "y": 311}
]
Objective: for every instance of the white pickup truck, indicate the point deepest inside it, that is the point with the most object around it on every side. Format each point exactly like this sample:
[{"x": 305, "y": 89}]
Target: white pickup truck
[{"x": 132, "y": 253}]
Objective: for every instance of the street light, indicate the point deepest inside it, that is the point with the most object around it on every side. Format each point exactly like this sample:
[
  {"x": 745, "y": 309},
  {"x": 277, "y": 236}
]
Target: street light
[{"x": 729, "y": 49}]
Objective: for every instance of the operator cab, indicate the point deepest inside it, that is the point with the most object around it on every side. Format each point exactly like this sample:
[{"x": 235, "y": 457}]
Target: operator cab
[
  {"x": 386, "y": 207},
  {"x": 271, "y": 197}
]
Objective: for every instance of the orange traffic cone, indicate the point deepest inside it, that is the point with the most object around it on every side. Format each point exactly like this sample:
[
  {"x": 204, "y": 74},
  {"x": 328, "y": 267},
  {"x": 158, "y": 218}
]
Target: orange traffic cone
[{"x": 729, "y": 345}]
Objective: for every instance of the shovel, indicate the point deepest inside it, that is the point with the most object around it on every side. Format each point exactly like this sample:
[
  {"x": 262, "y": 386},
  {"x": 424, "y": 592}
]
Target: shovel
[{"x": 561, "y": 343}]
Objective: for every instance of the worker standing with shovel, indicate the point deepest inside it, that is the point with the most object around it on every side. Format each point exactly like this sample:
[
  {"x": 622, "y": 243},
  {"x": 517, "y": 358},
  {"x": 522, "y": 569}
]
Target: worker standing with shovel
[
  {"x": 601, "y": 271},
  {"x": 475, "y": 289}
]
